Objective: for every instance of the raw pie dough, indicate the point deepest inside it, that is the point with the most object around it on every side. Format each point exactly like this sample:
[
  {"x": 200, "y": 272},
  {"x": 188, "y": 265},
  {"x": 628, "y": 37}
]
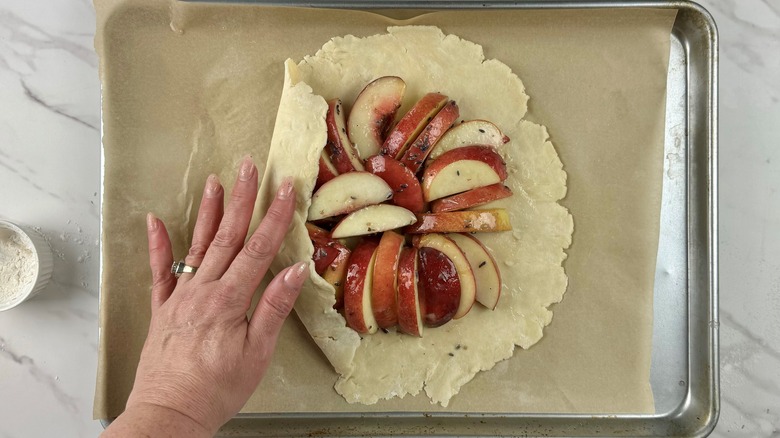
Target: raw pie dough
[{"x": 386, "y": 365}]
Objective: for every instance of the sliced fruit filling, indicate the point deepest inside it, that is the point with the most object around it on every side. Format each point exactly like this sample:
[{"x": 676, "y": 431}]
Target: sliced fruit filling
[{"x": 393, "y": 213}]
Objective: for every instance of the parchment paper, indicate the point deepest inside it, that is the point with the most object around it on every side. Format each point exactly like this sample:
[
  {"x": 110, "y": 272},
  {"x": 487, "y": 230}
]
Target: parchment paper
[{"x": 173, "y": 113}]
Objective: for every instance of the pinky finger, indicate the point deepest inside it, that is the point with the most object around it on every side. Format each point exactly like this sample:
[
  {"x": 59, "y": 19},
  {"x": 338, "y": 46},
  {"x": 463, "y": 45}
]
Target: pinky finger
[
  {"x": 275, "y": 304},
  {"x": 160, "y": 260}
]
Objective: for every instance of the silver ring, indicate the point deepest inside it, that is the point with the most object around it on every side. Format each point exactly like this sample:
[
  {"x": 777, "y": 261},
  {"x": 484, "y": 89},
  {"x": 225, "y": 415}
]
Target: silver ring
[{"x": 180, "y": 267}]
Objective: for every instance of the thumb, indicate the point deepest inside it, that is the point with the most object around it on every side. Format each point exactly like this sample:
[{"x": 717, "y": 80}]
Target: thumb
[
  {"x": 275, "y": 304},
  {"x": 160, "y": 260}
]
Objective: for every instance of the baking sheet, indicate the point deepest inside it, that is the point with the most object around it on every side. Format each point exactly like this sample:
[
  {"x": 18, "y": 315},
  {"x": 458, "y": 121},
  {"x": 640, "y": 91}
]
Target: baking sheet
[{"x": 180, "y": 103}]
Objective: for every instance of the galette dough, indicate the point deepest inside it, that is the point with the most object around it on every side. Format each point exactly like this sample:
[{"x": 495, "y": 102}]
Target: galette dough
[{"x": 386, "y": 365}]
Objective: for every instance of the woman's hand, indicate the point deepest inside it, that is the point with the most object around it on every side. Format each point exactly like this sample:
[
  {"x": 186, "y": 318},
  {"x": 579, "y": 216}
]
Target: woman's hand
[{"x": 203, "y": 356}]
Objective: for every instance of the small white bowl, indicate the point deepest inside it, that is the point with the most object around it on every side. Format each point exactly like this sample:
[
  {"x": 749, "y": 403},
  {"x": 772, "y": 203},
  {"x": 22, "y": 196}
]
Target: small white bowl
[{"x": 37, "y": 250}]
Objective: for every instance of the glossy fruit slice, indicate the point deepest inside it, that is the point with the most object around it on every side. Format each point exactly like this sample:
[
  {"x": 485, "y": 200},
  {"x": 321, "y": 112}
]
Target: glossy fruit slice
[
  {"x": 407, "y": 192},
  {"x": 412, "y": 123},
  {"x": 418, "y": 151},
  {"x": 358, "y": 286},
  {"x": 373, "y": 114}
]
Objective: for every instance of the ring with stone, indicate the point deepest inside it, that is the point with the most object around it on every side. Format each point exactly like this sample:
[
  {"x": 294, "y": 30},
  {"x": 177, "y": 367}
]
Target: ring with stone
[{"x": 180, "y": 267}]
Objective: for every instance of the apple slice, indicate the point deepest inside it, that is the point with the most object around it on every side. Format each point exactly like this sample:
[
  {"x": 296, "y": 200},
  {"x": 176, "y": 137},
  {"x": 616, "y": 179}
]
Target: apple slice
[
  {"x": 316, "y": 232},
  {"x": 440, "y": 285},
  {"x": 407, "y": 192},
  {"x": 373, "y": 219},
  {"x": 462, "y": 169},
  {"x": 327, "y": 170},
  {"x": 484, "y": 267},
  {"x": 374, "y": 112},
  {"x": 383, "y": 299},
  {"x": 410, "y": 306},
  {"x": 336, "y": 274},
  {"x": 326, "y": 250},
  {"x": 468, "y": 286},
  {"x": 412, "y": 123},
  {"x": 346, "y": 193},
  {"x": 418, "y": 151},
  {"x": 335, "y": 254},
  {"x": 323, "y": 255},
  {"x": 340, "y": 149},
  {"x": 357, "y": 287},
  {"x": 464, "y": 221},
  {"x": 473, "y": 132},
  {"x": 472, "y": 198}
]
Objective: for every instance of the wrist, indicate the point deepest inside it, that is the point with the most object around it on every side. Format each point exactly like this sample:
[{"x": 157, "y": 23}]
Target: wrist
[{"x": 147, "y": 419}]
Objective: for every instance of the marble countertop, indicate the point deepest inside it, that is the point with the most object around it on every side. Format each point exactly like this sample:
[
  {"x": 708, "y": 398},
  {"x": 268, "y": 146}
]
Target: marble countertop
[{"x": 50, "y": 179}]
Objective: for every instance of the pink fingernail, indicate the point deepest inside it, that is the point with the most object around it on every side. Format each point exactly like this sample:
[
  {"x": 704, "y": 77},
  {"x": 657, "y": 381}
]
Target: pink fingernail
[
  {"x": 212, "y": 185},
  {"x": 297, "y": 275},
  {"x": 247, "y": 168},
  {"x": 151, "y": 222},
  {"x": 286, "y": 189}
]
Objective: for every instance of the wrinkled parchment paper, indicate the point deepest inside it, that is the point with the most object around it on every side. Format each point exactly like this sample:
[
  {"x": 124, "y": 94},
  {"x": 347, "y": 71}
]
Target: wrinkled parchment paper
[{"x": 188, "y": 90}]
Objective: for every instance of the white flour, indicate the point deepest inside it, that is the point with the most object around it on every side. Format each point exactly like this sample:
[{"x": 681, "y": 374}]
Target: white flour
[{"x": 18, "y": 266}]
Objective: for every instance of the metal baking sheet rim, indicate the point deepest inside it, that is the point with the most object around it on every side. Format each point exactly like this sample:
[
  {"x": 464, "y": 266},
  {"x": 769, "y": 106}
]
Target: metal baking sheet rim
[{"x": 695, "y": 34}]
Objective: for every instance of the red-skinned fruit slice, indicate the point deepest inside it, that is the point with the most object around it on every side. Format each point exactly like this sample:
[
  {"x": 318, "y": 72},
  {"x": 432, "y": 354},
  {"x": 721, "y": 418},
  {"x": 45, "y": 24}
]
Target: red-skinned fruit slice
[
  {"x": 464, "y": 221},
  {"x": 412, "y": 123},
  {"x": 336, "y": 270},
  {"x": 383, "y": 298},
  {"x": 316, "y": 232},
  {"x": 358, "y": 286},
  {"x": 346, "y": 193},
  {"x": 468, "y": 285},
  {"x": 327, "y": 170},
  {"x": 472, "y": 198},
  {"x": 441, "y": 287},
  {"x": 336, "y": 274},
  {"x": 323, "y": 255},
  {"x": 373, "y": 219},
  {"x": 326, "y": 250},
  {"x": 339, "y": 148},
  {"x": 473, "y": 132},
  {"x": 410, "y": 306},
  {"x": 373, "y": 114},
  {"x": 484, "y": 266},
  {"x": 462, "y": 169},
  {"x": 418, "y": 151},
  {"x": 407, "y": 192}
]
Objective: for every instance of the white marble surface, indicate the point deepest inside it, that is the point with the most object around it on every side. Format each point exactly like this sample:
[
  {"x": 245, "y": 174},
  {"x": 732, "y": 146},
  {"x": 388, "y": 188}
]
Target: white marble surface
[{"x": 50, "y": 176}]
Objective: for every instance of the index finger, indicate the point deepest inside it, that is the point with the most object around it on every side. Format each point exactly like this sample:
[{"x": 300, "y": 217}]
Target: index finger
[{"x": 251, "y": 264}]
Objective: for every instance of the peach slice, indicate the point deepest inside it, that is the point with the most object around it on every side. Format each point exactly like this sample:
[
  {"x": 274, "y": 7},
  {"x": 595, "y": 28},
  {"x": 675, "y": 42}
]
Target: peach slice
[
  {"x": 357, "y": 288},
  {"x": 440, "y": 285},
  {"x": 473, "y": 132},
  {"x": 373, "y": 219},
  {"x": 462, "y": 169},
  {"x": 373, "y": 114},
  {"x": 412, "y": 123},
  {"x": 464, "y": 221},
  {"x": 472, "y": 198},
  {"x": 418, "y": 151},
  {"x": 484, "y": 266},
  {"x": 407, "y": 192},
  {"x": 410, "y": 306},
  {"x": 327, "y": 170},
  {"x": 383, "y": 298},
  {"x": 346, "y": 193},
  {"x": 468, "y": 286},
  {"x": 340, "y": 150}
]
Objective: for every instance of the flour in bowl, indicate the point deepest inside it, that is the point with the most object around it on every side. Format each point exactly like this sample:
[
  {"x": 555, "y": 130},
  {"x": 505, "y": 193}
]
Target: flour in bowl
[{"x": 18, "y": 265}]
